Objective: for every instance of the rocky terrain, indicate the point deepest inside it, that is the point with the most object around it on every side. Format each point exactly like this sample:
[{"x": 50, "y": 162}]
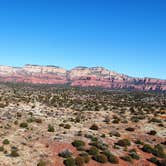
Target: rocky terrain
[
  {"x": 79, "y": 76},
  {"x": 46, "y": 125}
]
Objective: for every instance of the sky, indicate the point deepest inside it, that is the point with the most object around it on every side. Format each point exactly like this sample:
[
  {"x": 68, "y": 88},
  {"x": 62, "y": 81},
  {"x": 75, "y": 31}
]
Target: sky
[{"x": 127, "y": 36}]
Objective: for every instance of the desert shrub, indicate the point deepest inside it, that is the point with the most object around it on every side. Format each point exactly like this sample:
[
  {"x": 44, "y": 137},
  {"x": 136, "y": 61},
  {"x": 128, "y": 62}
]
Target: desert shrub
[
  {"x": 91, "y": 137},
  {"x": 123, "y": 142},
  {"x": 23, "y": 125},
  {"x": 162, "y": 162},
  {"x": 130, "y": 129},
  {"x": 77, "y": 119},
  {"x": 134, "y": 119},
  {"x": 79, "y": 133},
  {"x": 159, "y": 151},
  {"x": 16, "y": 122},
  {"x": 30, "y": 120},
  {"x": 133, "y": 150},
  {"x": 126, "y": 158},
  {"x": 6, "y": 142},
  {"x": 111, "y": 158},
  {"x": 14, "y": 153},
  {"x": 38, "y": 120},
  {"x": 154, "y": 160},
  {"x": 116, "y": 121},
  {"x": 139, "y": 142},
  {"x": 85, "y": 157},
  {"x": 161, "y": 125},
  {"x": 101, "y": 158},
  {"x": 69, "y": 162},
  {"x": 41, "y": 163},
  {"x": 114, "y": 133},
  {"x": 81, "y": 148},
  {"x": 99, "y": 144},
  {"x": 78, "y": 143},
  {"x": 124, "y": 121},
  {"x": 134, "y": 155},
  {"x": 147, "y": 148},
  {"x": 19, "y": 115},
  {"x": 79, "y": 161},
  {"x": 94, "y": 127},
  {"x": 93, "y": 150},
  {"x": 51, "y": 128},
  {"x": 65, "y": 154},
  {"x": 2, "y": 105},
  {"x": 155, "y": 120},
  {"x": 14, "y": 148},
  {"x": 107, "y": 119},
  {"x": 152, "y": 132},
  {"x": 1, "y": 148},
  {"x": 103, "y": 136},
  {"x": 67, "y": 126},
  {"x": 61, "y": 125}
]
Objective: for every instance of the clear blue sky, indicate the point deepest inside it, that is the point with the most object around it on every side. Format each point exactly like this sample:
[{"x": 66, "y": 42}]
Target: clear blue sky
[{"x": 127, "y": 36}]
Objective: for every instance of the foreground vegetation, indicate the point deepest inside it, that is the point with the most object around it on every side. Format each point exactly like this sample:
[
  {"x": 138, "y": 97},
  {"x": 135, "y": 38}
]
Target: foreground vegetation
[{"x": 80, "y": 126}]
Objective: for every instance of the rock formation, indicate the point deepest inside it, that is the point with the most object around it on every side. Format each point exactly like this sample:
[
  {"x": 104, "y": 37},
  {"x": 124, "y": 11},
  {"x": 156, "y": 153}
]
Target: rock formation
[{"x": 79, "y": 76}]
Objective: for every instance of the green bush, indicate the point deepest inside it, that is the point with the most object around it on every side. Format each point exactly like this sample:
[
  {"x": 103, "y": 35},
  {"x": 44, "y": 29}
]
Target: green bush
[
  {"x": 1, "y": 148},
  {"x": 67, "y": 126},
  {"x": 69, "y": 162},
  {"x": 80, "y": 148},
  {"x": 14, "y": 153},
  {"x": 51, "y": 128},
  {"x": 111, "y": 158},
  {"x": 79, "y": 161},
  {"x": 147, "y": 148},
  {"x": 159, "y": 151},
  {"x": 123, "y": 142},
  {"x": 94, "y": 127},
  {"x": 114, "y": 133},
  {"x": 139, "y": 142},
  {"x": 93, "y": 150},
  {"x": 78, "y": 143},
  {"x": 134, "y": 155},
  {"x": 65, "y": 154},
  {"x": 99, "y": 144},
  {"x": 116, "y": 121},
  {"x": 19, "y": 115},
  {"x": 155, "y": 120},
  {"x": 107, "y": 119},
  {"x": 130, "y": 129},
  {"x": 101, "y": 158},
  {"x": 30, "y": 120},
  {"x": 85, "y": 157},
  {"x": 6, "y": 142},
  {"x": 152, "y": 132},
  {"x": 61, "y": 125},
  {"x": 16, "y": 122},
  {"x": 24, "y": 125},
  {"x": 103, "y": 136},
  {"x": 134, "y": 119},
  {"x": 41, "y": 163},
  {"x": 126, "y": 158},
  {"x": 154, "y": 160},
  {"x": 38, "y": 120}
]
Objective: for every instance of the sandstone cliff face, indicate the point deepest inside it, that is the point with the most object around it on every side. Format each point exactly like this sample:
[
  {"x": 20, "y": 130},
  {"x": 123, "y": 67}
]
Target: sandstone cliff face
[{"x": 79, "y": 76}]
